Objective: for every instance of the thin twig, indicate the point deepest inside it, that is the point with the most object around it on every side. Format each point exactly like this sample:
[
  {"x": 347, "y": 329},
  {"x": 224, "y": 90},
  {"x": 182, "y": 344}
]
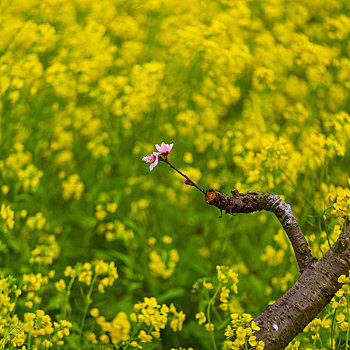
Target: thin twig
[{"x": 185, "y": 176}]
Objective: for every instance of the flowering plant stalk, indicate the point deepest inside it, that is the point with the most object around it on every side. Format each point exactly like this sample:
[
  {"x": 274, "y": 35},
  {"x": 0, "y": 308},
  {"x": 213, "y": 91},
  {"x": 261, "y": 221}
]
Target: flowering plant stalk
[{"x": 162, "y": 156}]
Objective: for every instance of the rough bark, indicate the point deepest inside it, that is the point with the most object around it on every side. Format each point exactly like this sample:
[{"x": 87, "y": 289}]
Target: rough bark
[
  {"x": 256, "y": 201},
  {"x": 281, "y": 322},
  {"x": 290, "y": 314}
]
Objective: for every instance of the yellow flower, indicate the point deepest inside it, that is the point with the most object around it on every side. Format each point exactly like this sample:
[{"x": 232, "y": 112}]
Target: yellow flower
[
  {"x": 151, "y": 241},
  {"x": 112, "y": 207},
  {"x": 133, "y": 317},
  {"x": 208, "y": 285},
  {"x": 340, "y": 318},
  {"x": 104, "y": 338},
  {"x": 60, "y": 285},
  {"x": 47, "y": 343},
  {"x": 247, "y": 317},
  {"x": 134, "y": 344},
  {"x": 209, "y": 327},
  {"x": 241, "y": 334},
  {"x": 224, "y": 295},
  {"x": 167, "y": 239},
  {"x": 229, "y": 332},
  {"x": 342, "y": 279},
  {"x": 261, "y": 345},
  {"x": 94, "y": 312},
  {"x": 155, "y": 334},
  {"x": 254, "y": 326},
  {"x": 177, "y": 322},
  {"x": 144, "y": 337},
  {"x": 188, "y": 158},
  {"x": 29, "y": 316},
  {"x": 201, "y": 317},
  {"x": 252, "y": 341},
  {"x": 5, "y": 189},
  {"x": 8, "y": 216}
]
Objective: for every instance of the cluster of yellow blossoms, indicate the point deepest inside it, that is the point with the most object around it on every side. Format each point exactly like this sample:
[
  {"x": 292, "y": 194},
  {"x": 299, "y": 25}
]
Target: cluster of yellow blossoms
[
  {"x": 227, "y": 280},
  {"x": 36, "y": 329},
  {"x": 340, "y": 201},
  {"x": 46, "y": 251},
  {"x": 73, "y": 187},
  {"x": 159, "y": 268},
  {"x": 243, "y": 328},
  {"x": 162, "y": 259},
  {"x": 103, "y": 273},
  {"x": 7, "y": 216},
  {"x": 149, "y": 315},
  {"x": 18, "y": 166},
  {"x": 112, "y": 230}
]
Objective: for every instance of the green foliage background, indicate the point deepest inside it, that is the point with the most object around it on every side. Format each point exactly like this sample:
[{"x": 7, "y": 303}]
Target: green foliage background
[{"x": 253, "y": 94}]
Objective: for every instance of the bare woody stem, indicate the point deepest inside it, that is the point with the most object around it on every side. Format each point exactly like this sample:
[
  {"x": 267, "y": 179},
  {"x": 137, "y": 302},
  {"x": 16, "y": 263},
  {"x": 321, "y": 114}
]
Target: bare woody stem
[
  {"x": 290, "y": 314},
  {"x": 256, "y": 201},
  {"x": 314, "y": 289},
  {"x": 185, "y": 176}
]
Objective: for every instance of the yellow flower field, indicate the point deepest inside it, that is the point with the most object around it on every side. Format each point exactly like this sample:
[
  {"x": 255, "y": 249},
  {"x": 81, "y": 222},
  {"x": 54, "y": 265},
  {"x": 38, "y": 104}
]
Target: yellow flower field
[{"x": 96, "y": 251}]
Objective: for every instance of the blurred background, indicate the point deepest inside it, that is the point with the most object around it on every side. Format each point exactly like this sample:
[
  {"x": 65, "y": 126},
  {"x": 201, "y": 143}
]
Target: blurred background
[{"x": 253, "y": 94}]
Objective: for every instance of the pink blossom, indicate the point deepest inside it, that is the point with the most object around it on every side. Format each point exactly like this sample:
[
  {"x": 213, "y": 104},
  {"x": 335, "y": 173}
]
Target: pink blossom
[
  {"x": 153, "y": 159},
  {"x": 188, "y": 182},
  {"x": 164, "y": 149}
]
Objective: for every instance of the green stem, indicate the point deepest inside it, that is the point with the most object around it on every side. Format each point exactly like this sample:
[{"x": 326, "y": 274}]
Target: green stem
[
  {"x": 132, "y": 336},
  {"x": 347, "y": 331},
  {"x": 313, "y": 344},
  {"x": 67, "y": 296},
  {"x": 87, "y": 305},
  {"x": 217, "y": 315},
  {"x": 16, "y": 299},
  {"x": 332, "y": 328},
  {"x": 339, "y": 342},
  {"x": 320, "y": 341},
  {"x": 325, "y": 226},
  {"x": 211, "y": 301},
  {"x": 29, "y": 339}
]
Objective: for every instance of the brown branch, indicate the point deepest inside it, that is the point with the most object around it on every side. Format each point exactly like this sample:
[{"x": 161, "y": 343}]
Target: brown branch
[
  {"x": 256, "y": 201},
  {"x": 290, "y": 314}
]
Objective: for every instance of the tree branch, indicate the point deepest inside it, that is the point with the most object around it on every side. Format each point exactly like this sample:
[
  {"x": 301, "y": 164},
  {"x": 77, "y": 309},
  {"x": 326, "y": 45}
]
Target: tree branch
[
  {"x": 289, "y": 315},
  {"x": 256, "y": 201}
]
